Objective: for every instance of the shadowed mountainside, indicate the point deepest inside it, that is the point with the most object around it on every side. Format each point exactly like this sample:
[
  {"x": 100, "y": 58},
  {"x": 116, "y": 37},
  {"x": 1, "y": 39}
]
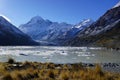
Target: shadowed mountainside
[
  {"x": 104, "y": 32},
  {"x": 10, "y": 35}
]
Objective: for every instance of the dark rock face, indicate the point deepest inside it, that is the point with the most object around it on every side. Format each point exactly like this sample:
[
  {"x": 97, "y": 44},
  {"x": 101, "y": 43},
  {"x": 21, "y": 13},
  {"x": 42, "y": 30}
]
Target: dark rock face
[
  {"x": 111, "y": 38},
  {"x": 104, "y": 32},
  {"x": 10, "y": 35}
]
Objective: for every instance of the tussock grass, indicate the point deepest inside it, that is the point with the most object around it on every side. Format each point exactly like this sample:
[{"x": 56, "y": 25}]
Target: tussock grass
[{"x": 50, "y": 71}]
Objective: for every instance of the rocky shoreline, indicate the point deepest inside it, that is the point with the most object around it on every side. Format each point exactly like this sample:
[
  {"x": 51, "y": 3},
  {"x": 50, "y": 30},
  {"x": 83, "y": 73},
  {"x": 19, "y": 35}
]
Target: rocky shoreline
[{"x": 110, "y": 67}]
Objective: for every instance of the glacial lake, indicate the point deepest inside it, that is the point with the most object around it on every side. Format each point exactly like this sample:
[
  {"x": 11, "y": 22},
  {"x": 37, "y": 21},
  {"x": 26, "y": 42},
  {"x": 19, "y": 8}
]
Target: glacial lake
[{"x": 59, "y": 54}]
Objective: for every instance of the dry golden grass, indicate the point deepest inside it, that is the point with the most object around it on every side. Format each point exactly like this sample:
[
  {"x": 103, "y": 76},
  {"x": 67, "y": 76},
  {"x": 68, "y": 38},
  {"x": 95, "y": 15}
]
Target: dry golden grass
[{"x": 50, "y": 71}]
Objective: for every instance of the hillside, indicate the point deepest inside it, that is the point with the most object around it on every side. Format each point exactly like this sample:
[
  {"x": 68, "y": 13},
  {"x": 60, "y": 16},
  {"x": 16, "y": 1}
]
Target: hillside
[{"x": 104, "y": 32}]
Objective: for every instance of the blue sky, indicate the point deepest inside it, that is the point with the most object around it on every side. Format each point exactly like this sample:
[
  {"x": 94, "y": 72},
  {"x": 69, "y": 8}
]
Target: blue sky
[{"x": 70, "y": 11}]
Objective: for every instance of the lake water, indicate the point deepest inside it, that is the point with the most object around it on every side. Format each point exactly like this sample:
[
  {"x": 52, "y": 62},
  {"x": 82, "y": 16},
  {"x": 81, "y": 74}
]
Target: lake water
[{"x": 59, "y": 54}]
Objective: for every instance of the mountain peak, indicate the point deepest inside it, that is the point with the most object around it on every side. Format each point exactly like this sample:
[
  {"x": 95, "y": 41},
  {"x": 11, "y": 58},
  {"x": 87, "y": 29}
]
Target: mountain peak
[
  {"x": 117, "y": 5},
  {"x": 2, "y": 18},
  {"x": 5, "y": 21},
  {"x": 38, "y": 18},
  {"x": 84, "y": 22},
  {"x": 10, "y": 35}
]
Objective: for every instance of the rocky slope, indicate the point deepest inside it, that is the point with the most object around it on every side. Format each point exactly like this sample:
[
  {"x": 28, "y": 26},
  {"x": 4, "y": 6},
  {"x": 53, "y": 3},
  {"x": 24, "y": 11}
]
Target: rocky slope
[
  {"x": 104, "y": 32},
  {"x": 73, "y": 31},
  {"x": 10, "y": 35}
]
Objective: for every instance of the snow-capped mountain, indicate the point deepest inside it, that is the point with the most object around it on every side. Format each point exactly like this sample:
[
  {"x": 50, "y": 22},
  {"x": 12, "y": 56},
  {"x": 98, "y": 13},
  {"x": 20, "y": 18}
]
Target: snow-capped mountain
[
  {"x": 57, "y": 29},
  {"x": 10, "y": 35},
  {"x": 83, "y": 24},
  {"x": 40, "y": 29},
  {"x": 46, "y": 30},
  {"x": 117, "y": 5},
  {"x": 103, "y": 24},
  {"x": 71, "y": 33},
  {"x": 36, "y": 26},
  {"x": 105, "y": 31}
]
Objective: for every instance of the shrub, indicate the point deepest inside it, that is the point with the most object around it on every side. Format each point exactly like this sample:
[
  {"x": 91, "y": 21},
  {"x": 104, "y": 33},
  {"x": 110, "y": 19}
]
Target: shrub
[{"x": 11, "y": 61}]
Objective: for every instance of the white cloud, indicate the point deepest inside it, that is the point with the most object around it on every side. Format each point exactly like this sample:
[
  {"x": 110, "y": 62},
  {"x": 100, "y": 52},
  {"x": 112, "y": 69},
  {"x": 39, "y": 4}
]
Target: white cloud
[{"x": 5, "y": 17}]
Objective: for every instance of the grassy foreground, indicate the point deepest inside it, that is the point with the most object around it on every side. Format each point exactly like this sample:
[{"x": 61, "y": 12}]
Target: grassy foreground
[{"x": 12, "y": 70}]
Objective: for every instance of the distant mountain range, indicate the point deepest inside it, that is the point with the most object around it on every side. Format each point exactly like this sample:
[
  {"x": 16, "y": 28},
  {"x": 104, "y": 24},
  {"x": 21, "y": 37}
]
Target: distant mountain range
[
  {"x": 40, "y": 29},
  {"x": 46, "y": 30},
  {"x": 103, "y": 32}
]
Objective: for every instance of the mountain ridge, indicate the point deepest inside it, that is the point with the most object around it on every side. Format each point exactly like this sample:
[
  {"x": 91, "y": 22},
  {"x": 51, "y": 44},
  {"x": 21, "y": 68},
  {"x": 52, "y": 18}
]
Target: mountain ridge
[
  {"x": 51, "y": 31},
  {"x": 97, "y": 33},
  {"x": 11, "y": 35}
]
